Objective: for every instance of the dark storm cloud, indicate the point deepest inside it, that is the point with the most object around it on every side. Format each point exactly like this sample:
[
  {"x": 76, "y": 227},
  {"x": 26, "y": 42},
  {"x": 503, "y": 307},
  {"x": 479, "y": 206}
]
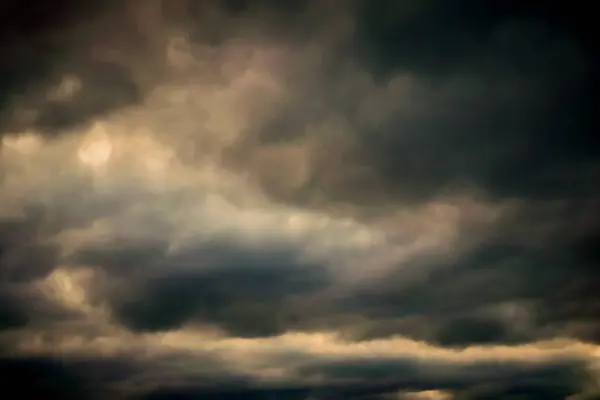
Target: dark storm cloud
[
  {"x": 497, "y": 100},
  {"x": 497, "y": 292},
  {"x": 23, "y": 306},
  {"x": 84, "y": 376},
  {"x": 46, "y": 377},
  {"x": 494, "y": 101},
  {"x": 114, "y": 50},
  {"x": 61, "y": 378},
  {"x": 388, "y": 379},
  {"x": 73, "y": 377},
  {"x": 246, "y": 292},
  {"x": 225, "y": 394},
  {"x": 23, "y": 256},
  {"x": 504, "y": 108},
  {"x": 498, "y": 96},
  {"x": 406, "y": 375},
  {"x": 494, "y": 294},
  {"x": 42, "y": 43},
  {"x": 105, "y": 88}
]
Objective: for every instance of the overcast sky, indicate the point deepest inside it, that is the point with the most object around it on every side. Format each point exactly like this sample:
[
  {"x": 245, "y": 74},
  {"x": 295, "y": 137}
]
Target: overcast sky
[{"x": 298, "y": 200}]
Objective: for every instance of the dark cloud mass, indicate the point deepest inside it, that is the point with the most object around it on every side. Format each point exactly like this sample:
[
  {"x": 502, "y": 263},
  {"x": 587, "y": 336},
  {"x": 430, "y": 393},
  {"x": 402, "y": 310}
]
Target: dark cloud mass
[
  {"x": 298, "y": 200},
  {"x": 249, "y": 295}
]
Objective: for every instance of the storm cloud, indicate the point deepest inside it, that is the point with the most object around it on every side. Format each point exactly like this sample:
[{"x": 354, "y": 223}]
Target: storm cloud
[{"x": 332, "y": 200}]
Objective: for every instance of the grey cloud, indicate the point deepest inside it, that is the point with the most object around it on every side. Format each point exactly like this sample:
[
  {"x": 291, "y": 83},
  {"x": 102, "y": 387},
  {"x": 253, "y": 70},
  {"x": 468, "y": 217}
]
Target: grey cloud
[
  {"x": 70, "y": 377},
  {"x": 124, "y": 375},
  {"x": 194, "y": 393},
  {"x": 407, "y": 376},
  {"x": 25, "y": 306},
  {"x": 511, "y": 83},
  {"x": 23, "y": 259},
  {"x": 44, "y": 43},
  {"x": 105, "y": 87},
  {"x": 66, "y": 378},
  {"x": 348, "y": 380},
  {"x": 494, "y": 293},
  {"x": 11, "y": 315},
  {"x": 505, "y": 289},
  {"x": 246, "y": 292},
  {"x": 457, "y": 301},
  {"x": 465, "y": 331},
  {"x": 508, "y": 117},
  {"x": 422, "y": 99},
  {"x": 23, "y": 256}
]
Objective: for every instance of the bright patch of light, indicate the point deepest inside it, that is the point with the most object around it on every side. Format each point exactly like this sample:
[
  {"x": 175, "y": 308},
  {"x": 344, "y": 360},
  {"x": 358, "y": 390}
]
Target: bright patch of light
[{"x": 96, "y": 150}]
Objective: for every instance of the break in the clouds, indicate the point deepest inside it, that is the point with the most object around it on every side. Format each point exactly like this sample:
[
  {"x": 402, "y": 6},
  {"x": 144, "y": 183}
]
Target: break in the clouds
[{"x": 323, "y": 200}]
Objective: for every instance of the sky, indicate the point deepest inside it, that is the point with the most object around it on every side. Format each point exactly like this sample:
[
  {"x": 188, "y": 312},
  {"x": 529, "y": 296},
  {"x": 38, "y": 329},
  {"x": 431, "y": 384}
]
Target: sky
[{"x": 298, "y": 200}]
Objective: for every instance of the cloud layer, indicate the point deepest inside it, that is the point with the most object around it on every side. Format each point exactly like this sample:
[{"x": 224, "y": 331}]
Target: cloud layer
[{"x": 329, "y": 200}]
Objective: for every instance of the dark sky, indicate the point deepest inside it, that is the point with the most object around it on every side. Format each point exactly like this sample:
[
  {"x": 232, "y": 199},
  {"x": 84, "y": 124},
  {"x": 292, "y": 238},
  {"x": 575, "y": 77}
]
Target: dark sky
[{"x": 299, "y": 200}]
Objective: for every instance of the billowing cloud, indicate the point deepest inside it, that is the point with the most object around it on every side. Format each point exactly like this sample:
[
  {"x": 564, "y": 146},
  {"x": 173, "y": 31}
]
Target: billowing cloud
[{"x": 326, "y": 200}]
